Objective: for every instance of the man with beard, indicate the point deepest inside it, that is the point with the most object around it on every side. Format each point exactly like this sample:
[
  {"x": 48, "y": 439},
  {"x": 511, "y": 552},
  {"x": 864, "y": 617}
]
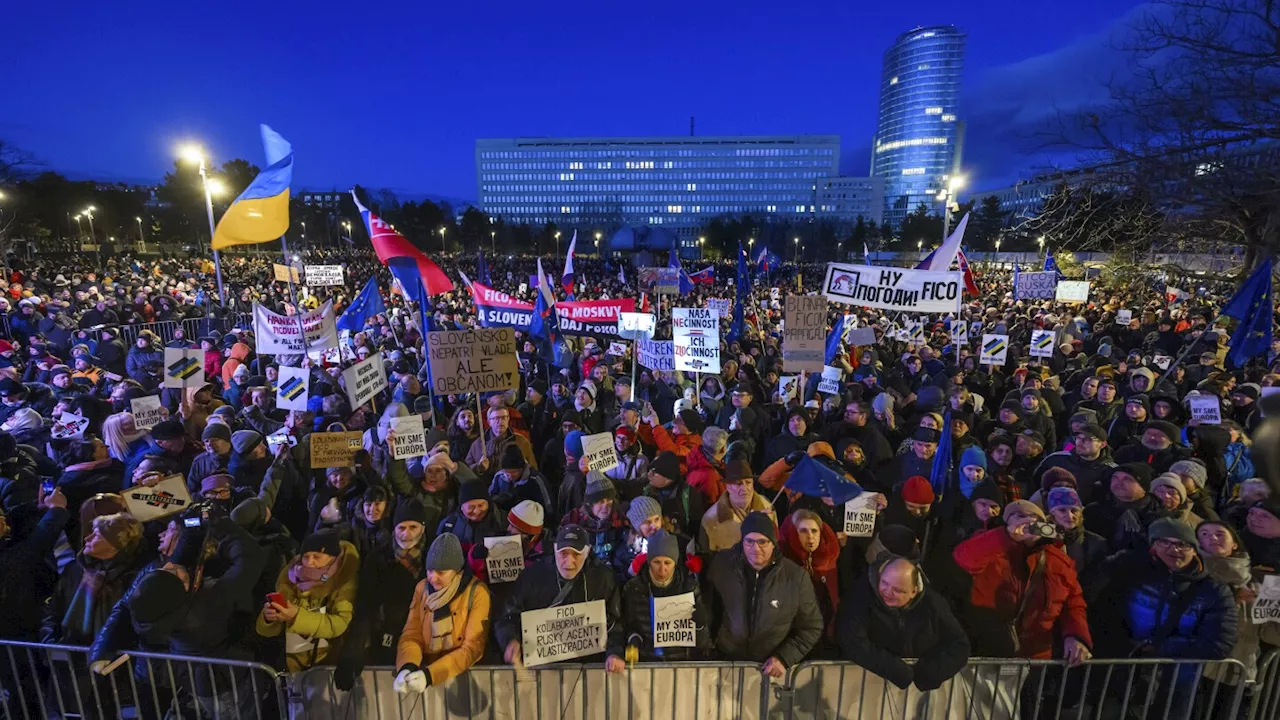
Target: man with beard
[
  {"x": 1158, "y": 446},
  {"x": 855, "y": 424}
]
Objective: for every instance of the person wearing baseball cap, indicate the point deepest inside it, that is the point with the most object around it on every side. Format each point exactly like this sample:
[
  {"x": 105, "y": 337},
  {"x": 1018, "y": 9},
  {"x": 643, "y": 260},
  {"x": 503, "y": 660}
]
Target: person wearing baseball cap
[{"x": 566, "y": 577}]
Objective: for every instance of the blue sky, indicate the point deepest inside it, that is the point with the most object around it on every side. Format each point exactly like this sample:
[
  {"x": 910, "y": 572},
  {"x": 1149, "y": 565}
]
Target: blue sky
[{"x": 394, "y": 94}]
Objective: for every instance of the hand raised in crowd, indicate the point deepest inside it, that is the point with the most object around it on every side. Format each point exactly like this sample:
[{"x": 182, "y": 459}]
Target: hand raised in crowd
[
  {"x": 52, "y": 500},
  {"x": 774, "y": 668}
]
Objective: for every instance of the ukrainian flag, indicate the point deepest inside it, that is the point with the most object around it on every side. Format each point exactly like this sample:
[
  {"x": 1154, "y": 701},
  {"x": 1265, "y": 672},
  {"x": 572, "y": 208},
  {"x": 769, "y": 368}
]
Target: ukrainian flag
[{"x": 261, "y": 213}]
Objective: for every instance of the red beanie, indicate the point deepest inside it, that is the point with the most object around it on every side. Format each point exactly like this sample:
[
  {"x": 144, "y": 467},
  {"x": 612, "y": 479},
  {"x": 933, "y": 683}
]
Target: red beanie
[
  {"x": 917, "y": 490},
  {"x": 626, "y": 432}
]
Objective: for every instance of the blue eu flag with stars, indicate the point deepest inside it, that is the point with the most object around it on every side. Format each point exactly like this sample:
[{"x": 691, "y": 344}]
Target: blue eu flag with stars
[
  {"x": 1252, "y": 307},
  {"x": 812, "y": 478},
  {"x": 365, "y": 305}
]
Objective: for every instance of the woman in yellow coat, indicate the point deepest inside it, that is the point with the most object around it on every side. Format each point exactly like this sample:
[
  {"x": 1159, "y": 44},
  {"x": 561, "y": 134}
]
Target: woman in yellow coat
[
  {"x": 319, "y": 593},
  {"x": 448, "y": 621}
]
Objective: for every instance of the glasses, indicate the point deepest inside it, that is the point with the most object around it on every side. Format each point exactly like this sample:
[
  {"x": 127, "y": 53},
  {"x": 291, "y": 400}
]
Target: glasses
[
  {"x": 1174, "y": 545},
  {"x": 746, "y": 542}
]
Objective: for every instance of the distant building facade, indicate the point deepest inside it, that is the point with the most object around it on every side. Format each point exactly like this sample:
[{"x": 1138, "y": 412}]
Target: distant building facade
[{"x": 843, "y": 200}]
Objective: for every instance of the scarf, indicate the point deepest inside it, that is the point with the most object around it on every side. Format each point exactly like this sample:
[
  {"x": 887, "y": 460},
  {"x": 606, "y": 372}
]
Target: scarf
[
  {"x": 442, "y": 620},
  {"x": 91, "y": 465},
  {"x": 305, "y": 578},
  {"x": 411, "y": 558}
]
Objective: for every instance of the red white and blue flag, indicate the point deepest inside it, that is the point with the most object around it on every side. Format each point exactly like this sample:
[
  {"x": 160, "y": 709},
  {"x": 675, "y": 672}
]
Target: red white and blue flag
[
  {"x": 970, "y": 286},
  {"x": 566, "y": 280},
  {"x": 705, "y": 276},
  {"x": 398, "y": 254}
]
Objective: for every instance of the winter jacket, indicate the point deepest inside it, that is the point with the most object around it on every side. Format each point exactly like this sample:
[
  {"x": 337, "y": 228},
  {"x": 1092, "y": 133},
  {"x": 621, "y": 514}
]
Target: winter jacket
[
  {"x": 1123, "y": 525},
  {"x": 239, "y": 353},
  {"x": 879, "y": 638},
  {"x": 541, "y": 586},
  {"x": 29, "y": 576},
  {"x": 80, "y": 604},
  {"x": 682, "y": 506},
  {"x": 144, "y": 364},
  {"x": 637, "y": 617},
  {"x": 704, "y": 475},
  {"x": 506, "y": 492},
  {"x": 82, "y": 481},
  {"x": 1001, "y": 570},
  {"x": 1240, "y": 467},
  {"x": 681, "y": 445},
  {"x": 604, "y": 537},
  {"x": 758, "y": 614},
  {"x": 381, "y": 608},
  {"x": 324, "y": 613},
  {"x": 204, "y": 465},
  {"x": 820, "y": 566},
  {"x": 1233, "y": 572},
  {"x": 721, "y": 525},
  {"x": 1093, "y": 477},
  {"x": 445, "y": 657},
  {"x": 487, "y": 448}
]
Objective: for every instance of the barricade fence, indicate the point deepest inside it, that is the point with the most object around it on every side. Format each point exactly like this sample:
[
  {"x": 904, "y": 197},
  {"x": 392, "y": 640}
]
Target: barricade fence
[
  {"x": 192, "y": 328},
  {"x": 1265, "y": 693}
]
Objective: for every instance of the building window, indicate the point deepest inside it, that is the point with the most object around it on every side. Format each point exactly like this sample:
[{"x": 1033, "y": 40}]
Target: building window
[
  {"x": 893, "y": 80},
  {"x": 935, "y": 110}
]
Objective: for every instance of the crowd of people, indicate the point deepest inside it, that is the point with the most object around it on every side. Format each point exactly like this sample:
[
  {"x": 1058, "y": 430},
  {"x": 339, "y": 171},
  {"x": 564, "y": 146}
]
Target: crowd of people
[{"x": 1083, "y": 513}]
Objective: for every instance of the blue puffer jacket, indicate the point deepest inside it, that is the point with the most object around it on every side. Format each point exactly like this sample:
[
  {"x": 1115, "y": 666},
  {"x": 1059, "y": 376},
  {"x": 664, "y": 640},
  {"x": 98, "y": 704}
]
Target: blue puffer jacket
[{"x": 1239, "y": 462}]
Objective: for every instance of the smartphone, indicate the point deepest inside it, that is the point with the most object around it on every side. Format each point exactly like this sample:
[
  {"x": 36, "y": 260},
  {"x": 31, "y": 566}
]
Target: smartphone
[
  {"x": 191, "y": 522},
  {"x": 277, "y": 598},
  {"x": 47, "y": 486}
]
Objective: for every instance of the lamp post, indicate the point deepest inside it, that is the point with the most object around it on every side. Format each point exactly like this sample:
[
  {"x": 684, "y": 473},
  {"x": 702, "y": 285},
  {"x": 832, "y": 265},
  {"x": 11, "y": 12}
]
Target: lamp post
[
  {"x": 1040, "y": 241},
  {"x": 79, "y": 227},
  {"x": 701, "y": 241},
  {"x": 839, "y": 244},
  {"x": 920, "y": 248},
  {"x": 795, "y": 256},
  {"x": 346, "y": 225},
  {"x": 557, "y": 246},
  {"x": 192, "y": 153},
  {"x": 89, "y": 214},
  {"x": 948, "y": 196},
  {"x": 493, "y": 242},
  {"x": 304, "y": 230},
  {"x": 442, "y": 248},
  {"x": 597, "y": 245},
  {"x": 142, "y": 238}
]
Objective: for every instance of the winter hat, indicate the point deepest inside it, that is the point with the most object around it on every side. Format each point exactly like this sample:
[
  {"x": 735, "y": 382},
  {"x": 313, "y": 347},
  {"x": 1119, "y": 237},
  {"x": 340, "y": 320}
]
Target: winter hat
[
  {"x": 445, "y": 553},
  {"x": 973, "y": 455},
  {"x": 1171, "y": 529},
  {"x": 759, "y": 522},
  {"x": 1095, "y": 430},
  {"x": 327, "y": 542},
  {"x": 589, "y": 387},
  {"x": 250, "y": 514},
  {"x": 410, "y": 510},
  {"x": 527, "y": 517},
  {"x": 666, "y": 464},
  {"x": 735, "y": 471},
  {"x": 512, "y": 458},
  {"x": 987, "y": 490},
  {"x": 1270, "y": 505},
  {"x": 155, "y": 596},
  {"x": 573, "y": 443},
  {"x": 1141, "y": 399},
  {"x": 1193, "y": 469},
  {"x": 663, "y": 544},
  {"x": 1146, "y": 373},
  {"x": 1085, "y": 416},
  {"x": 226, "y": 411},
  {"x": 1023, "y": 507},
  {"x": 1063, "y": 497},
  {"x": 1014, "y": 407},
  {"x": 443, "y": 461},
  {"x": 917, "y": 490},
  {"x": 422, "y": 404},
  {"x": 121, "y": 530},
  {"x": 472, "y": 490},
  {"x": 434, "y": 437},
  {"x": 244, "y": 441},
  {"x": 642, "y": 508},
  {"x": 692, "y": 421},
  {"x": 1140, "y": 472},
  {"x": 216, "y": 431},
  {"x": 168, "y": 430},
  {"x": 1170, "y": 480},
  {"x": 626, "y": 433},
  {"x": 924, "y": 434},
  {"x": 216, "y": 481},
  {"x": 599, "y": 488},
  {"x": 1055, "y": 475},
  {"x": 1171, "y": 431}
]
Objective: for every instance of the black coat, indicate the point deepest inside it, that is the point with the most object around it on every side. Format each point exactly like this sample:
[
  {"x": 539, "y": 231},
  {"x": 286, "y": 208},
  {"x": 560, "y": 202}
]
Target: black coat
[
  {"x": 637, "y": 616},
  {"x": 382, "y": 605},
  {"x": 762, "y": 614},
  {"x": 540, "y": 586},
  {"x": 29, "y": 577}
]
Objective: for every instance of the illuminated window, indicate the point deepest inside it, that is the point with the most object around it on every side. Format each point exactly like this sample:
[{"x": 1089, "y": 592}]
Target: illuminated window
[
  {"x": 948, "y": 117},
  {"x": 912, "y": 171},
  {"x": 893, "y": 80},
  {"x": 935, "y": 110},
  {"x": 913, "y": 142}
]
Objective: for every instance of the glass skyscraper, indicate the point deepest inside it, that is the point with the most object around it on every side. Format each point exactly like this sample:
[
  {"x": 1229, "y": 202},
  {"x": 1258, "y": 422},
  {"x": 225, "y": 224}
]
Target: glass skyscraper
[{"x": 917, "y": 144}]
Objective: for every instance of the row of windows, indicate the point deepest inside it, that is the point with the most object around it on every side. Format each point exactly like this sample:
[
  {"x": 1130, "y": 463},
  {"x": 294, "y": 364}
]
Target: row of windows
[
  {"x": 664, "y": 165},
  {"x": 647, "y": 187},
  {"x": 910, "y": 142},
  {"x": 491, "y": 202},
  {"x": 712, "y": 152},
  {"x": 670, "y": 210},
  {"x": 597, "y": 177}
]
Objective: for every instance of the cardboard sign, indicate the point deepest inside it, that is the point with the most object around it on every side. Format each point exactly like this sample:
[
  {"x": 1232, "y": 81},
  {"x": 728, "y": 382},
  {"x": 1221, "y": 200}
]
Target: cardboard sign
[
  {"x": 660, "y": 280},
  {"x": 335, "y": 449},
  {"x": 282, "y": 334},
  {"x": 1124, "y": 317},
  {"x": 995, "y": 349},
  {"x": 960, "y": 331},
  {"x": 285, "y": 273},
  {"x": 788, "y": 387},
  {"x": 1205, "y": 408},
  {"x": 1267, "y": 607},
  {"x": 890, "y": 288},
  {"x": 183, "y": 367},
  {"x": 563, "y": 632},
  {"x": 165, "y": 498},
  {"x": 636, "y": 326},
  {"x": 480, "y": 360},
  {"x": 1072, "y": 291},
  {"x": 804, "y": 334},
  {"x": 720, "y": 305},
  {"x": 695, "y": 336},
  {"x": 291, "y": 388},
  {"x": 860, "y": 516},
  {"x": 599, "y": 451},
  {"x": 859, "y": 337},
  {"x": 506, "y": 558},
  {"x": 673, "y": 624},
  {"x": 69, "y": 426},
  {"x": 830, "y": 382},
  {"x": 365, "y": 379},
  {"x": 617, "y": 349},
  {"x": 656, "y": 354},
  {"x": 409, "y": 439},
  {"x": 147, "y": 411},
  {"x": 324, "y": 275},
  {"x": 1035, "y": 285},
  {"x": 1041, "y": 343}
]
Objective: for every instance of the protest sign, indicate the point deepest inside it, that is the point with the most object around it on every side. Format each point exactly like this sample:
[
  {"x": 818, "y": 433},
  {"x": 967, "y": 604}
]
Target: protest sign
[
  {"x": 291, "y": 388},
  {"x": 466, "y": 361},
  {"x": 335, "y": 449},
  {"x": 636, "y": 326},
  {"x": 995, "y": 349},
  {"x": 165, "y": 498},
  {"x": 1041, "y": 343},
  {"x": 1035, "y": 285},
  {"x": 960, "y": 331},
  {"x": 617, "y": 349},
  {"x": 563, "y": 632},
  {"x": 1073, "y": 291},
  {"x": 324, "y": 275},
  {"x": 285, "y": 273},
  {"x": 804, "y": 334},
  {"x": 695, "y": 336},
  {"x": 661, "y": 280},
  {"x": 524, "y": 287},
  {"x": 720, "y": 305},
  {"x": 673, "y": 624},
  {"x": 599, "y": 451},
  {"x": 860, "y": 515},
  {"x": 888, "y": 288},
  {"x": 915, "y": 331},
  {"x": 280, "y": 335},
  {"x": 1205, "y": 408},
  {"x": 1124, "y": 317},
  {"x": 592, "y": 318},
  {"x": 859, "y": 337},
  {"x": 775, "y": 295},
  {"x": 506, "y": 558},
  {"x": 1162, "y": 361},
  {"x": 408, "y": 437},
  {"x": 69, "y": 425},
  {"x": 1266, "y": 608},
  {"x": 830, "y": 382},
  {"x": 365, "y": 379},
  {"x": 183, "y": 367},
  {"x": 656, "y": 354},
  {"x": 147, "y": 411},
  {"x": 788, "y": 387}
]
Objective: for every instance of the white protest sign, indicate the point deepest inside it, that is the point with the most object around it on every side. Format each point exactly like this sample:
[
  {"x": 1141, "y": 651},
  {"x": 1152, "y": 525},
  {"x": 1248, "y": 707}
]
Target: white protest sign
[
  {"x": 960, "y": 331},
  {"x": 995, "y": 348},
  {"x": 324, "y": 275},
  {"x": 409, "y": 438},
  {"x": 915, "y": 331},
  {"x": 291, "y": 388},
  {"x": 1266, "y": 608},
  {"x": 636, "y": 326},
  {"x": 524, "y": 286},
  {"x": 69, "y": 426},
  {"x": 183, "y": 367},
  {"x": 1041, "y": 343},
  {"x": 673, "y": 624},
  {"x": 830, "y": 382},
  {"x": 775, "y": 294},
  {"x": 365, "y": 379},
  {"x": 888, "y": 288},
  {"x": 720, "y": 305},
  {"x": 506, "y": 558},
  {"x": 1072, "y": 291},
  {"x": 1035, "y": 285},
  {"x": 695, "y": 337},
  {"x": 146, "y": 411},
  {"x": 563, "y": 632},
  {"x": 860, "y": 515},
  {"x": 1205, "y": 408},
  {"x": 859, "y": 337},
  {"x": 279, "y": 334},
  {"x": 788, "y": 387},
  {"x": 804, "y": 334},
  {"x": 656, "y": 354},
  {"x": 1123, "y": 317},
  {"x": 1162, "y": 361},
  {"x": 166, "y": 497},
  {"x": 599, "y": 451},
  {"x": 618, "y": 349}
]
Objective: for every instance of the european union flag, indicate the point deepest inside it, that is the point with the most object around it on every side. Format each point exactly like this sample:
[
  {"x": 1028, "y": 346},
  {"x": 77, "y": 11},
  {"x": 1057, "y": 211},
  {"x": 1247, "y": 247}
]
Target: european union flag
[
  {"x": 1251, "y": 306},
  {"x": 365, "y": 305},
  {"x": 686, "y": 283},
  {"x": 482, "y": 269},
  {"x": 942, "y": 460},
  {"x": 261, "y": 213},
  {"x": 833, "y": 340},
  {"x": 812, "y": 478},
  {"x": 1051, "y": 265}
]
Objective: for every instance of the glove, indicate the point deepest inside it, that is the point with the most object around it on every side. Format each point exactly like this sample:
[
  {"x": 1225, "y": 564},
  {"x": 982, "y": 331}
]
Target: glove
[
  {"x": 479, "y": 551},
  {"x": 411, "y": 681},
  {"x": 345, "y": 674},
  {"x": 794, "y": 457}
]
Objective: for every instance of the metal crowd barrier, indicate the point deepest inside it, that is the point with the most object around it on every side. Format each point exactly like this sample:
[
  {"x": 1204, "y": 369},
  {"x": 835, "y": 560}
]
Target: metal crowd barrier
[
  {"x": 1265, "y": 696},
  {"x": 164, "y": 329}
]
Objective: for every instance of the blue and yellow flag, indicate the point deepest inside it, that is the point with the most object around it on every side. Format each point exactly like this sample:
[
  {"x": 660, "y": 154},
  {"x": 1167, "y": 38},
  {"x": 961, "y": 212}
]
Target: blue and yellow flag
[{"x": 261, "y": 213}]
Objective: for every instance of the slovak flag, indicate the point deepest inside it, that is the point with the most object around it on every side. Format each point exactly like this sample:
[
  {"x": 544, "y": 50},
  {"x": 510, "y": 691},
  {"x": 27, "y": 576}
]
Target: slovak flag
[
  {"x": 566, "y": 280},
  {"x": 766, "y": 260},
  {"x": 970, "y": 286},
  {"x": 705, "y": 276},
  {"x": 399, "y": 254}
]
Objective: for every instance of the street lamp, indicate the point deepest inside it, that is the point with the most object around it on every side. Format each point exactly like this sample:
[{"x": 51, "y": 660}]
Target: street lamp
[
  {"x": 751, "y": 241},
  {"x": 88, "y": 212},
  {"x": 839, "y": 244},
  {"x": 193, "y": 154},
  {"x": 597, "y": 244},
  {"x": 141, "y": 237},
  {"x": 79, "y": 227},
  {"x": 795, "y": 257},
  {"x": 493, "y": 242},
  {"x": 947, "y": 197},
  {"x": 701, "y": 241},
  {"x": 346, "y": 225},
  {"x": 442, "y": 249},
  {"x": 920, "y": 247},
  {"x": 557, "y": 246}
]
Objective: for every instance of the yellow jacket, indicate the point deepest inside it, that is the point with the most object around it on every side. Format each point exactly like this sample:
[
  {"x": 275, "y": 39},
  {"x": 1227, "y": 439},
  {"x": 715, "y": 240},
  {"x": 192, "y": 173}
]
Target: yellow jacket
[
  {"x": 470, "y": 612},
  {"x": 323, "y": 615}
]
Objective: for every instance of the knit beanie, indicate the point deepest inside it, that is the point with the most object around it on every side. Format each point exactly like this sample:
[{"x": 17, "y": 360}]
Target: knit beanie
[
  {"x": 250, "y": 514},
  {"x": 1171, "y": 528},
  {"x": 527, "y": 517},
  {"x": 1023, "y": 507},
  {"x": 155, "y": 596},
  {"x": 666, "y": 464},
  {"x": 1140, "y": 472},
  {"x": 692, "y": 421},
  {"x": 917, "y": 490},
  {"x": 973, "y": 455},
  {"x": 410, "y": 510},
  {"x": 472, "y": 490},
  {"x": 599, "y": 488},
  {"x": 1084, "y": 416},
  {"x": 216, "y": 431},
  {"x": 1054, "y": 476},
  {"x": 1173, "y": 432},
  {"x": 573, "y": 443},
  {"x": 327, "y": 542},
  {"x": 1172, "y": 481},
  {"x": 121, "y": 530},
  {"x": 759, "y": 522},
  {"x": 987, "y": 490},
  {"x": 512, "y": 458},
  {"x": 445, "y": 553},
  {"x": 244, "y": 441},
  {"x": 642, "y": 508},
  {"x": 1063, "y": 497},
  {"x": 216, "y": 481},
  {"x": 168, "y": 430},
  {"x": 1192, "y": 469},
  {"x": 663, "y": 544}
]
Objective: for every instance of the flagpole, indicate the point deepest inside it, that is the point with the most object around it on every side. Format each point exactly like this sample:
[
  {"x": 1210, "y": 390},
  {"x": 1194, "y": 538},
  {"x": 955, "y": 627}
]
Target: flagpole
[{"x": 293, "y": 295}]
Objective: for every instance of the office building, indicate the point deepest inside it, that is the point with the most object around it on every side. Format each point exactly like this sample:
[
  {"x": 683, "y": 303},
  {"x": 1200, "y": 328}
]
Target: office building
[
  {"x": 918, "y": 137},
  {"x": 842, "y": 200},
  {"x": 679, "y": 183}
]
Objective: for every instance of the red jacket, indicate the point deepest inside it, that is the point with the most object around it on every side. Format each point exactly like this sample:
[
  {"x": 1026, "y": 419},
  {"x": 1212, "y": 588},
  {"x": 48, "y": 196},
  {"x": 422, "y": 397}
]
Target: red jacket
[
  {"x": 1000, "y": 569},
  {"x": 681, "y": 445},
  {"x": 821, "y": 566},
  {"x": 704, "y": 477}
]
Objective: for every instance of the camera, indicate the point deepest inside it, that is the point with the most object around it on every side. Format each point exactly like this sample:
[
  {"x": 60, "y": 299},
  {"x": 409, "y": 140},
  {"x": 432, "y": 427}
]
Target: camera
[{"x": 1039, "y": 529}]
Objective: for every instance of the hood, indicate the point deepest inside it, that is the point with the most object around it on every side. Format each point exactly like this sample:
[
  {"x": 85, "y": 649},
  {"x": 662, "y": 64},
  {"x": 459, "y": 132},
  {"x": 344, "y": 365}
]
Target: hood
[
  {"x": 1233, "y": 570},
  {"x": 824, "y": 558},
  {"x": 239, "y": 351},
  {"x": 821, "y": 449}
]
